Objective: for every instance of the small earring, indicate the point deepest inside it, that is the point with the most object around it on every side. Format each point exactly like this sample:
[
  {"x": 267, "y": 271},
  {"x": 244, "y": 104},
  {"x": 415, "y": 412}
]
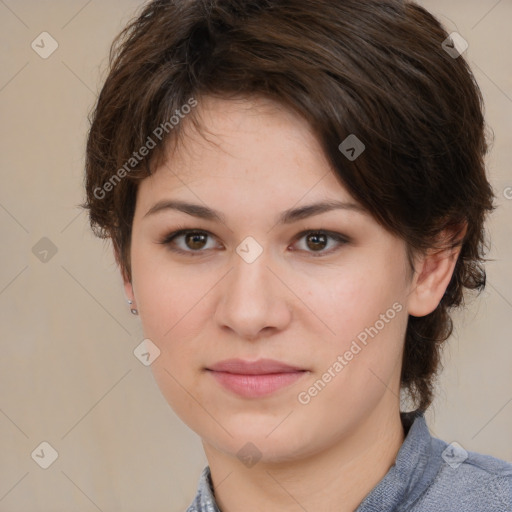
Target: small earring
[{"x": 133, "y": 310}]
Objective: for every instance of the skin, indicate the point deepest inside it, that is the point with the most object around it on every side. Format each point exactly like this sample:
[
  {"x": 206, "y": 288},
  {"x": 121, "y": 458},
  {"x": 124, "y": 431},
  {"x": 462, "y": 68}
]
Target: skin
[{"x": 256, "y": 160}]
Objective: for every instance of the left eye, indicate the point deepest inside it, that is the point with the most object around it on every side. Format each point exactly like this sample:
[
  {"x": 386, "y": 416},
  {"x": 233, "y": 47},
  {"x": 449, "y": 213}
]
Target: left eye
[
  {"x": 318, "y": 240},
  {"x": 194, "y": 242}
]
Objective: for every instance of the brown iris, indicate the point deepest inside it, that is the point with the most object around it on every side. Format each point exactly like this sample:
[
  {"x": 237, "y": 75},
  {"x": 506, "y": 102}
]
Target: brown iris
[{"x": 319, "y": 241}]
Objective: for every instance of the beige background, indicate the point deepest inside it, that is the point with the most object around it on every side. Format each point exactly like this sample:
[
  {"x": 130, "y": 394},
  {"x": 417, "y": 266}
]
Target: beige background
[{"x": 68, "y": 374}]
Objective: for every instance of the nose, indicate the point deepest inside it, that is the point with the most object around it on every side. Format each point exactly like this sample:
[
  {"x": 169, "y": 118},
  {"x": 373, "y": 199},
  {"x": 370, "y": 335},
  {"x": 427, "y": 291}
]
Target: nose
[{"x": 253, "y": 301}]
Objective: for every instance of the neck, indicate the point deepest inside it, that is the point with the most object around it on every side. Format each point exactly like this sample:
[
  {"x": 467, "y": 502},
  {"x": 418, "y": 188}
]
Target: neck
[{"x": 336, "y": 479}]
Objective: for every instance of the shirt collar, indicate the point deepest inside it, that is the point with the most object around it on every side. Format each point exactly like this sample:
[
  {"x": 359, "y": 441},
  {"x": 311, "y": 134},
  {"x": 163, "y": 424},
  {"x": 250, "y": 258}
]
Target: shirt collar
[{"x": 415, "y": 467}]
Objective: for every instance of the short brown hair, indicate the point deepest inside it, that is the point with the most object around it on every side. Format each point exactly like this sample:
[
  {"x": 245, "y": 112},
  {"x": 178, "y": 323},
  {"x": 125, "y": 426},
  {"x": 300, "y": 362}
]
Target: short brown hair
[{"x": 373, "y": 68}]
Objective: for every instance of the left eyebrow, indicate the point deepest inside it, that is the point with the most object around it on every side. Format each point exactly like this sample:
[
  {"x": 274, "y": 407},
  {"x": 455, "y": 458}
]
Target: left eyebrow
[
  {"x": 296, "y": 214},
  {"x": 286, "y": 217}
]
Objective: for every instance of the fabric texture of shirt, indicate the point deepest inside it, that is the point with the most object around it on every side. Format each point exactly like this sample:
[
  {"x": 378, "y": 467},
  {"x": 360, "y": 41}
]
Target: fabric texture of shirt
[{"x": 429, "y": 475}]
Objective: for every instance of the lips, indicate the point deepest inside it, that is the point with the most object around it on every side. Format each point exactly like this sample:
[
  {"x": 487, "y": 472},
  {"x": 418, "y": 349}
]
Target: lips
[
  {"x": 255, "y": 379},
  {"x": 259, "y": 367}
]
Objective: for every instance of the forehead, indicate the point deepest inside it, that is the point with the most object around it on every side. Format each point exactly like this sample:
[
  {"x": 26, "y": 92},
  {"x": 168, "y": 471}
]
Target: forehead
[{"x": 246, "y": 142}]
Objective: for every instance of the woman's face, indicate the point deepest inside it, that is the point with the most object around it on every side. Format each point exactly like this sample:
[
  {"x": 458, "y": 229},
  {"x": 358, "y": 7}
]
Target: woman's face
[{"x": 251, "y": 287}]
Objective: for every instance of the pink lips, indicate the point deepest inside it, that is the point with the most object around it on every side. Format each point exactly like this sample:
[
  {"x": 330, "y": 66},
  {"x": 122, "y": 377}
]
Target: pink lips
[{"x": 257, "y": 378}]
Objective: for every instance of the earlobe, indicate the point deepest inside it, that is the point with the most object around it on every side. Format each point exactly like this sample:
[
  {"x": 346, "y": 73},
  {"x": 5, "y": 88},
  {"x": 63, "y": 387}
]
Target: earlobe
[
  {"x": 128, "y": 290},
  {"x": 127, "y": 283},
  {"x": 130, "y": 297},
  {"x": 129, "y": 293}
]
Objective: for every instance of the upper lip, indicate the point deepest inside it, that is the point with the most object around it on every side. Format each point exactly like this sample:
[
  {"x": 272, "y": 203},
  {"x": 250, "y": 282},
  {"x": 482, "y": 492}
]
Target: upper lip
[{"x": 258, "y": 367}]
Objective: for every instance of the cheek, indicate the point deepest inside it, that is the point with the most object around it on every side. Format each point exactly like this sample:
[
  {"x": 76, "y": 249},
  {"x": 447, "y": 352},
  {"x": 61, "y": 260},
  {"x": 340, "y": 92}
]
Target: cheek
[
  {"x": 170, "y": 305},
  {"x": 353, "y": 301},
  {"x": 174, "y": 310},
  {"x": 164, "y": 292},
  {"x": 366, "y": 314}
]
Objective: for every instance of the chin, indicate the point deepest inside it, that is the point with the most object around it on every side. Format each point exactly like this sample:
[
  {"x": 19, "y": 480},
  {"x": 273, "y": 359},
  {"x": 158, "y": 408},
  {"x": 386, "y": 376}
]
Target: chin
[{"x": 266, "y": 445}]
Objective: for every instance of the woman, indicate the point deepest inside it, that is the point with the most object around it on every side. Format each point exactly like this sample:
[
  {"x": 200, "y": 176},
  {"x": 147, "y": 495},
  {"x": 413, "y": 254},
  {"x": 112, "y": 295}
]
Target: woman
[{"x": 296, "y": 196}]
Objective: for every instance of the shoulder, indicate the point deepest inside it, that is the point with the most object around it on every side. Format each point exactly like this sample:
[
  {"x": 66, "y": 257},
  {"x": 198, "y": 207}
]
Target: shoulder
[{"x": 468, "y": 481}]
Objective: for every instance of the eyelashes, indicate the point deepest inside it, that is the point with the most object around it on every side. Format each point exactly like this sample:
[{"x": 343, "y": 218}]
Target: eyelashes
[{"x": 198, "y": 236}]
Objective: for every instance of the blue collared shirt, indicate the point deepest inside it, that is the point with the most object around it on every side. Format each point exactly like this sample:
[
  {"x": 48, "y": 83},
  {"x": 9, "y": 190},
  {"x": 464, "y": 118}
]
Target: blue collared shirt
[{"x": 429, "y": 475}]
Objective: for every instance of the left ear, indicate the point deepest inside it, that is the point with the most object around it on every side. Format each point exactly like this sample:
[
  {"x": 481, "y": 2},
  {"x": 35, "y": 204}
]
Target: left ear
[{"x": 434, "y": 271}]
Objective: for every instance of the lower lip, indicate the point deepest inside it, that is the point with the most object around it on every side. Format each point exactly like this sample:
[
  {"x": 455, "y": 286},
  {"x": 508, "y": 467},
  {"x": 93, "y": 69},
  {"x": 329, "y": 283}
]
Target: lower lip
[{"x": 254, "y": 386}]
